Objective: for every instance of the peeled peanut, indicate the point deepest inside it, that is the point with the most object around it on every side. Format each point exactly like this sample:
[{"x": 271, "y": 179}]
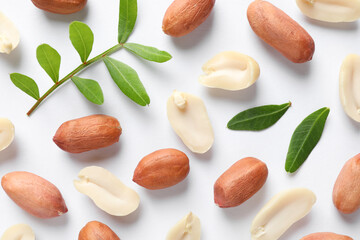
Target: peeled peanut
[
  {"x": 88, "y": 133},
  {"x": 60, "y": 6},
  {"x": 161, "y": 169},
  {"x": 326, "y": 236},
  {"x": 18, "y": 232},
  {"x": 107, "y": 191},
  {"x": 183, "y": 16},
  {"x": 188, "y": 228},
  {"x": 9, "y": 35},
  {"x": 240, "y": 182},
  {"x": 97, "y": 231},
  {"x": 349, "y": 82},
  {"x": 280, "y": 31},
  {"x": 188, "y": 117},
  {"x": 230, "y": 71},
  {"x": 34, "y": 194},
  {"x": 282, "y": 211},
  {"x": 346, "y": 192},
  {"x": 7, "y": 133},
  {"x": 331, "y": 10}
]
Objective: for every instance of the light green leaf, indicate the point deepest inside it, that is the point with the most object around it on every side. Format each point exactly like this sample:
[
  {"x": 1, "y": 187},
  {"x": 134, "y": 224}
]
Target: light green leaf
[
  {"x": 49, "y": 59},
  {"x": 90, "y": 89},
  {"x": 82, "y": 38},
  {"x": 258, "y": 118},
  {"x": 148, "y": 53},
  {"x": 26, "y": 84},
  {"x": 305, "y": 138},
  {"x": 127, "y": 19},
  {"x": 127, "y": 80}
]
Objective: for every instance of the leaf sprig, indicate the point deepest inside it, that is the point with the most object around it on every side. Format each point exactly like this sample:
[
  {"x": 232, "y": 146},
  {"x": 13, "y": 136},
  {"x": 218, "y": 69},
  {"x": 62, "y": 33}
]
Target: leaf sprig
[{"x": 82, "y": 38}]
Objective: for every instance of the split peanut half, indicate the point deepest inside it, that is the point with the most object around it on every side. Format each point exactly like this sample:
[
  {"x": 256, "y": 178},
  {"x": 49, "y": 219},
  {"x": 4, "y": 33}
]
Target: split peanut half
[
  {"x": 188, "y": 228},
  {"x": 18, "y": 232},
  {"x": 7, "y": 132},
  {"x": 9, "y": 35},
  {"x": 188, "y": 117},
  {"x": 330, "y": 10},
  {"x": 349, "y": 85},
  {"x": 107, "y": 191},
  {"x": 282, "y": 211},
  {"x": 230, "y": 71}
]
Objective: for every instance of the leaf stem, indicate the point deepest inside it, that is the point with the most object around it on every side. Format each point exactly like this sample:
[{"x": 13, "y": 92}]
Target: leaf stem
[{"x": 73, "y": 73}]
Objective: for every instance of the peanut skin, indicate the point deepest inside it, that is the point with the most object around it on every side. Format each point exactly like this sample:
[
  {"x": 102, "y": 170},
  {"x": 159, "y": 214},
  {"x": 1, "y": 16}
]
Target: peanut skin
[
  {"x": 161, "y": 169},
  {"x": 326, "y": 236},
  {"x": 88, "y": 133},
  {"x": 60, "y": 6},
  {"x": 280, "y": 31},
  {"x": 240, "y": 182},
  {"x": 183, "y": 16},
  {"x": 34, "y": 194},
  {"x": 97, "y": 231},
  {"x": 346, "y": 192}
]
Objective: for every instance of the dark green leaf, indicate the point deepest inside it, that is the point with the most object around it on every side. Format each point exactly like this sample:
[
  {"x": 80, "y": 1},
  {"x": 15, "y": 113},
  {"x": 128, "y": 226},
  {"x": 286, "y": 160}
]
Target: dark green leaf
[
  {"x": 26, "y": 84},
  {"x": 127, "y": 19},
  {"x": 148, "y": 53},
  {"x": 49, "y": 60},
  {"x": 258, "y": 118},
  {"x": 82, "y": 38},
  {"x": 305, "y": 138},
  {"x": 90, "y": 89},
  {"x": 127, "y": 80}
]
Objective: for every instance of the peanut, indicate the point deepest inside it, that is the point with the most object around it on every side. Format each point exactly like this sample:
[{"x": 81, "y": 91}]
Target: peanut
[
  {"x": 346, "y": 192},
  {"x": 184, "y": 16},
  {"x": 60, "y": 6},
  {"x": 95, "y": 231},
  {"x": 161, "y": 169},
  {"x": 34, "y": 194},
  {"x": 88, "y": 133},
  {"x": 280, "y": 31},
  {"x": 240, "y": 182}
]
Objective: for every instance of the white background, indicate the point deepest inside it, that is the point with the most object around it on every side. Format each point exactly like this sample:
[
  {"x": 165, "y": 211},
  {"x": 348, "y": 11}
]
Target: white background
[{"x": 309, "y": 86}]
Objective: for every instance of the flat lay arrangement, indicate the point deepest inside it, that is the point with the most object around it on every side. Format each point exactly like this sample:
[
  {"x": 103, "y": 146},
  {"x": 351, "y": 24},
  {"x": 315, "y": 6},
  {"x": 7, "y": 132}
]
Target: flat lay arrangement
[{"x": 235, "y": 120}]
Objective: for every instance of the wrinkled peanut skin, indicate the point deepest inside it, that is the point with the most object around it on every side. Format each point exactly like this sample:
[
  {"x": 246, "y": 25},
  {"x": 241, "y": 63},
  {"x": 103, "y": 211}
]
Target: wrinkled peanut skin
[
  {"x": 161, "y": 169},
  {"x": 346, "y": 192},
  {"x": 34, "y": 194},
  {"x": 240, "y": 182},
  {"x": 280, "y": 31},
  {"x": 97, "y": 231},
  {"x": 184, "y": 16},
  {"x": 326, "y": 236},
  {"x": 88, "y": 133},
  {"x": 60, "y": 6}
]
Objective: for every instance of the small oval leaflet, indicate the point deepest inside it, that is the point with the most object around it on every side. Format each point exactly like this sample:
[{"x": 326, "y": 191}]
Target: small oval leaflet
[
  {"x": 127, "y": 80},
  {"x": 258, "y": 118},
  {"x": 90, "y": 89},
  {"x": 127, "y": 19},
  {"x": 49, "y": 59},
  {"x": 305, "y": 138},
  {"x": 82, "y": 38},
  {"x": 148, "y": 53},
  {"x": 26, "y": 84}
]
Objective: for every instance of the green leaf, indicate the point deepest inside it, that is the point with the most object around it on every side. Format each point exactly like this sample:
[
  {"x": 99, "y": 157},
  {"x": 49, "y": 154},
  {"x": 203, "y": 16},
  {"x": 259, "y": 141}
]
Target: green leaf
[
  {"x": 127, "y": 80},
  {"x": 258, "y": 118},
  {"x": 26, "y": 84},
  {"x": 305, "y": 138},
  {"x": 127, "y": 19},
  {"x": 82, "y": 38},
  {"x": 148, "y": 53},
  {"x": 49, "y": 59},
  {"x": 90, "y": 89}
]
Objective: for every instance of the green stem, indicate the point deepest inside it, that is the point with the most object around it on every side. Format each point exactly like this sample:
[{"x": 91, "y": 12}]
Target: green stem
[{"x": 73, "y": 73}]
